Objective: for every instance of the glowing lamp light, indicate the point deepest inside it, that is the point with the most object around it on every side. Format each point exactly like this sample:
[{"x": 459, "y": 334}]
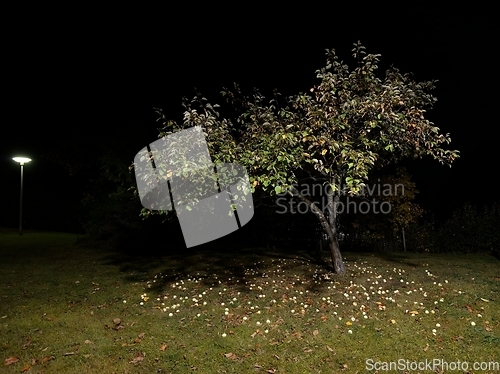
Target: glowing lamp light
[{"x": 22, "y": 161}]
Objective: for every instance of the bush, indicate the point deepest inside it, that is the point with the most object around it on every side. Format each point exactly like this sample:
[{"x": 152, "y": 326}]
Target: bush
[{"x": 112, "y": 217}]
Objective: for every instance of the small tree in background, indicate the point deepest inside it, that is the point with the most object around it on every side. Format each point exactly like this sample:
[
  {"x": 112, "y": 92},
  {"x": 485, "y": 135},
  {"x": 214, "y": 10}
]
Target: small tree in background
[{"x": 394, "y": 193}]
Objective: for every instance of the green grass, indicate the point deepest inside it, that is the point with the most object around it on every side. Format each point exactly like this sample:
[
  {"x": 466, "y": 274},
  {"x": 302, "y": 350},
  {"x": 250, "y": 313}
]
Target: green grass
[{"x": 239, "y": 311}]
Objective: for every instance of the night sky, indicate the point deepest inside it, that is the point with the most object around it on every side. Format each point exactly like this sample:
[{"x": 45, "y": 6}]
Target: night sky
[{"x": 71, "y": 84}]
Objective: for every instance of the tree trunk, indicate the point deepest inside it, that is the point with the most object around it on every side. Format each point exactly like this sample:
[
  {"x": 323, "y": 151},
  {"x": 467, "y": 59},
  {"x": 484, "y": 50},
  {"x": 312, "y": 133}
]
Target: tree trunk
[
  {"x": 334, "y": 244},
  {"x": 331, "y": 231}
]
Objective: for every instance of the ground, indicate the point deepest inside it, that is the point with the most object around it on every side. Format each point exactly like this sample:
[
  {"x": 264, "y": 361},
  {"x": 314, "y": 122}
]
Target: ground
[{"x": 67, "y": 308}]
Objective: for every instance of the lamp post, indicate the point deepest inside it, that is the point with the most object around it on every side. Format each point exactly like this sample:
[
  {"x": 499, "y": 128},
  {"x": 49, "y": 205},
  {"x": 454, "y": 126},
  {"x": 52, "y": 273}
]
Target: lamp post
[{"x": 22, "y": 161}]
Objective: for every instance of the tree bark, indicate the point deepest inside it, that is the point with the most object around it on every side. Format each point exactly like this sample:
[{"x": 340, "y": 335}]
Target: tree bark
[
  {"x": 333, "y": 202},
  {"x": 331, "y": 231}
]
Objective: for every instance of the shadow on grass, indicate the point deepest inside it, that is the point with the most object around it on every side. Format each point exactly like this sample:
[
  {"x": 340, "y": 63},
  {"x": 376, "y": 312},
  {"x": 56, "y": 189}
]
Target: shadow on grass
[
  {"x": 396, "y": 257},
  {"x": 226, "y": 260},
  {"x": 400, "y": 258},
  {"x": 138, "y": 258}
]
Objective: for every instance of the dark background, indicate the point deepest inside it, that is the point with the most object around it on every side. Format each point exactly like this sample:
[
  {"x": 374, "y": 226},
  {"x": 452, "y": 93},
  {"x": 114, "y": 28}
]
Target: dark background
[{"x": 88, "y": 79}]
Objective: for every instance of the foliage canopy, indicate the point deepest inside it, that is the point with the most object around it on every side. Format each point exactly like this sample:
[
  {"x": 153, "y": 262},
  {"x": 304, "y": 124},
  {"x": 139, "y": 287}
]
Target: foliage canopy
[{"x": 349, "y": 124}]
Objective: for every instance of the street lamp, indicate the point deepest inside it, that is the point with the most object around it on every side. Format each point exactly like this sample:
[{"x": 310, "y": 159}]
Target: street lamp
[{"x": 22, "y": 161}]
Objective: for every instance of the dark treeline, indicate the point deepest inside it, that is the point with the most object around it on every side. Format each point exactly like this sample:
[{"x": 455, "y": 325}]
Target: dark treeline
[{"x": 470, "y": 229}]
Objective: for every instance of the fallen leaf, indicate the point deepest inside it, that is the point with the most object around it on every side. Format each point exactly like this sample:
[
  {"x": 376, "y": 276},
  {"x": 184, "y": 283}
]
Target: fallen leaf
[
  {"x": 315, "y": 332},
  {"x": 163, "y": 347},
  {"x": 88, "y": 342},
  {"x": 139, "y": 338},
  {"x": 25, "y": 368},
  {"x": 485, "y": 300},
  {"x": 329, "y": 348},
  {"x": 413, "y": 312},
  {"x": 271, "y": 371},
  {"x": 231, "y": 356},
  {"x": 46, "y": 359},
  {"x": 10, "y": 360},
  {"x": 69, "y": 354},
  {"x": 137, "y": 359},
  {"x": 469, "y": 308}
]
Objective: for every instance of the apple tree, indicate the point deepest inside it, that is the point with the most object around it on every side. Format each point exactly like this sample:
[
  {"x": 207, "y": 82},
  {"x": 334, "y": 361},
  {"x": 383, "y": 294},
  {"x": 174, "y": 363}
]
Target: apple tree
[{"x": 336, "y": 133}]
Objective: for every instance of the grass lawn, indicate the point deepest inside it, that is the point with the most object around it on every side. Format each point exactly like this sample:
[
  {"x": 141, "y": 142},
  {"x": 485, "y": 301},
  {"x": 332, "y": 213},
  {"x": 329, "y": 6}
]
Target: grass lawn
[{"x": 69, "y": 309}]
